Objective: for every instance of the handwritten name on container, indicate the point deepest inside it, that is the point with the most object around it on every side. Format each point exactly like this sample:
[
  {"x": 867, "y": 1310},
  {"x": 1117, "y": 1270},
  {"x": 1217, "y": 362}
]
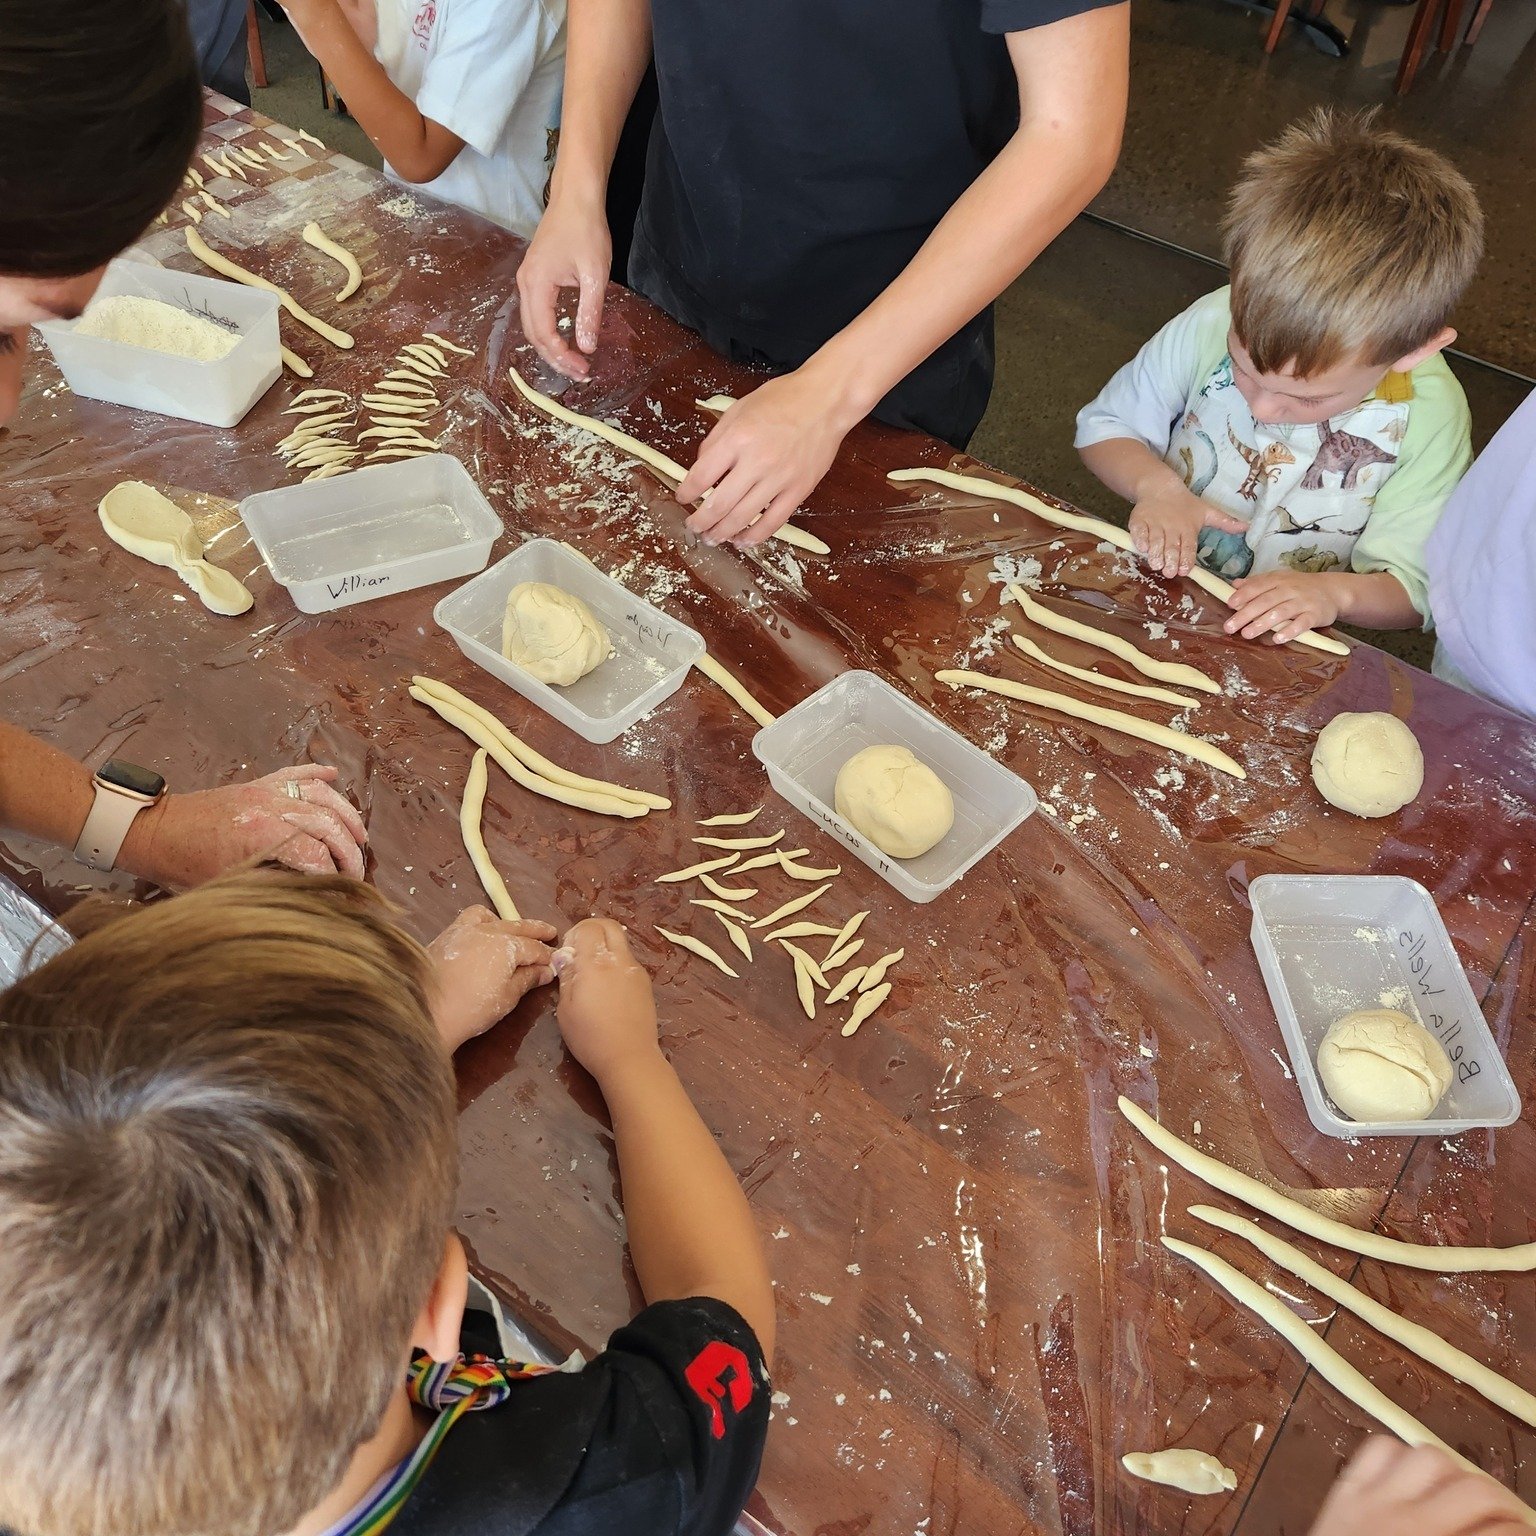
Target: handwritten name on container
[
  {"x": 1449, "y": 1030},
  {"x": 352, "y": 584}
]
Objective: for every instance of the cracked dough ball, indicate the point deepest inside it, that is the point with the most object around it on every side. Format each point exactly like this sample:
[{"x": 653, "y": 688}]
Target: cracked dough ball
[
  {"x": 1369, "y": 765},
  {"x": 551, "y": 635},
  {"x": 1379, "y": 1064},
  {"x": 901, "y": 805}
]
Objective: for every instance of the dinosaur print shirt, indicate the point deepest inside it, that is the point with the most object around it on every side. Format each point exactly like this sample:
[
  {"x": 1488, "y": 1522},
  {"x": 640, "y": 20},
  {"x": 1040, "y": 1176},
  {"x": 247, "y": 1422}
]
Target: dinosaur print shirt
[{"x": 1361, "y": 491}]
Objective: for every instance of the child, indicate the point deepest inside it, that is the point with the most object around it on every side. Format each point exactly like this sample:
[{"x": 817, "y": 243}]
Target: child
[
  {"x": 462, "y": 96},
  {"x": 1482, "y": 571},
  {"x": 1299, "y": 431},
  {"x": 227, "y": 1175}
]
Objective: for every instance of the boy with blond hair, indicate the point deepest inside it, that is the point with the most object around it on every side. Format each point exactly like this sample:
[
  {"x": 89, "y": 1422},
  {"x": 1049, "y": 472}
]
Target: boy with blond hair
[
  {"x": 1298, "y": 432},
  {"x": 231, "y": 1303}
]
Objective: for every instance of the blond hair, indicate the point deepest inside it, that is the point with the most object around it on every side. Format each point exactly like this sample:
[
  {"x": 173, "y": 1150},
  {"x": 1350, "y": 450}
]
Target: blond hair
[
  {"x": 227, "y": 1166},
  {"x": 1347, "y": 242}
]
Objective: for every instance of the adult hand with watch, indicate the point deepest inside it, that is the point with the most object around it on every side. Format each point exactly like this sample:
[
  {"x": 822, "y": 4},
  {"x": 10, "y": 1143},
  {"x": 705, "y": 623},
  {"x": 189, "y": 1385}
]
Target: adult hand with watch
[{"x": 122, "y": 818}]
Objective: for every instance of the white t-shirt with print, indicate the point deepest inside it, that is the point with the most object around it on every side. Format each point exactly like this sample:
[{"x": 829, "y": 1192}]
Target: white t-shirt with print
[{"x": 490, "y": 71}]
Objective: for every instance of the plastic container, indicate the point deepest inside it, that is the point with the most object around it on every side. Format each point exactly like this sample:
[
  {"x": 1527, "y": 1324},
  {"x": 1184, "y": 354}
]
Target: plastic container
[
  {"x": 217, "y": 393},
  {"x": 652, "y": 652},
  {"x": 804, "y": 750},
  {"x": 389, "y": 528},
  {"x": 1329, "y": 944}
]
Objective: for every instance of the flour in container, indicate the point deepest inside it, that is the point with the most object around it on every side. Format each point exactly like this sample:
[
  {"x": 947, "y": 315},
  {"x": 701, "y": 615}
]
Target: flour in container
[{"x": 157, "y": 327}]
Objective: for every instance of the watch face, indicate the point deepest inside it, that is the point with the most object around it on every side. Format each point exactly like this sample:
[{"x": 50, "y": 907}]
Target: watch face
[{"x": 129, "y": 776}]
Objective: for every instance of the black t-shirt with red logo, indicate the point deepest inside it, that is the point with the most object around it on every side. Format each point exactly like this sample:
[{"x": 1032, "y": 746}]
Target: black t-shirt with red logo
[{"x": 663, "y": 1432}]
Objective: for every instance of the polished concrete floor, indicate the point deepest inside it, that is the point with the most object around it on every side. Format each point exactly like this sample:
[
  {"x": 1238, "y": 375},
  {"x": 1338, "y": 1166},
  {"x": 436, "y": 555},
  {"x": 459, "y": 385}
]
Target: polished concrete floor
[{"x": 1203, "y": 96}]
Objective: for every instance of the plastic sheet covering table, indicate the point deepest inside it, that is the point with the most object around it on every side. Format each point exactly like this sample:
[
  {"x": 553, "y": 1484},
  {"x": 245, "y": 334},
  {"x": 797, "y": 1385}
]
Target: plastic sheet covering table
[{"x": 976, "y": 1317}]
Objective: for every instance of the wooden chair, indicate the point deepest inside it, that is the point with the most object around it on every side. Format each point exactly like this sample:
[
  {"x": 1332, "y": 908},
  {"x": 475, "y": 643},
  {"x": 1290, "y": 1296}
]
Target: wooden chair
[
  {"x": 253, "y": 46},
  {"x": 1421, "y": 35}
]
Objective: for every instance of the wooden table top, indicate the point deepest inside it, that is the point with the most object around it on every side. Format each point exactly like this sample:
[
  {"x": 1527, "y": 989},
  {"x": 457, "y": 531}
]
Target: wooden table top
[{"x": 976, "y": 1317}]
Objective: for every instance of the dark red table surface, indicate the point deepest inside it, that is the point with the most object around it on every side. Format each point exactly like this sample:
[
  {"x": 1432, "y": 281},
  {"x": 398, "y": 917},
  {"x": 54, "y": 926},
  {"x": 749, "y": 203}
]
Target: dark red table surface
[{"x": 976, "y": 1319}]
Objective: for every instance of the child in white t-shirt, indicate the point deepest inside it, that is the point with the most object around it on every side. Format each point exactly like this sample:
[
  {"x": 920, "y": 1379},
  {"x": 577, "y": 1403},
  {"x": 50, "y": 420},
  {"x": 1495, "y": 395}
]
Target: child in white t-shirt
[{"x": 461, "y": 96}]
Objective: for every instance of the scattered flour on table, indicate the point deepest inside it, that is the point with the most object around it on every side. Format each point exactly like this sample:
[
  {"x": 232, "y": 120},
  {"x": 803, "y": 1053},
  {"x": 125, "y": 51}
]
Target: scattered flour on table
[
  {"x": 1024, "y": 570},
  {"x": 158, "y": 327},
  {"x": 1157, "y": 629},
  {"x": 403, "y": 206}
]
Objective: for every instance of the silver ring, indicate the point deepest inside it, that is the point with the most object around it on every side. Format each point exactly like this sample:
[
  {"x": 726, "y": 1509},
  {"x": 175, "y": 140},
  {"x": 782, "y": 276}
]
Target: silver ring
[{"x": 293, "y": 789}]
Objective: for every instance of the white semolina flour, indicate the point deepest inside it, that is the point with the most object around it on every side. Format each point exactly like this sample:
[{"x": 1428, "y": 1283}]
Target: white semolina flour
[{"x": 158, "y": 327}]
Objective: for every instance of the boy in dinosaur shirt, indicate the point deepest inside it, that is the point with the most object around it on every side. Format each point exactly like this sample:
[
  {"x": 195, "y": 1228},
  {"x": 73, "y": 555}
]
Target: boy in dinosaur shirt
[{"x": 1298, "y": 432}]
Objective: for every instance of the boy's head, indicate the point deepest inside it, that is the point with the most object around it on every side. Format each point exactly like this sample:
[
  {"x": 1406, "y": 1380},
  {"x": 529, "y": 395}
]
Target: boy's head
[
  {"x": 1349, "y": 247},
  {"x": 100, "y": 108},
  {"x": 227, "y": 1166}
]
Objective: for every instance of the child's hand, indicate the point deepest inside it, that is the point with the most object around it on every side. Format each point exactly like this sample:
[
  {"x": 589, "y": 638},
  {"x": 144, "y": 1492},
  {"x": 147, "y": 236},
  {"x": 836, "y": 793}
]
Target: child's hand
[
  {"x": 607, "y": 1010},
  {"x": 484, "y": 969},
  {"x": 1390, "y": 1489},
  {"x": 1282, "y": 602},
  {"x": 1166, "y": 524}
]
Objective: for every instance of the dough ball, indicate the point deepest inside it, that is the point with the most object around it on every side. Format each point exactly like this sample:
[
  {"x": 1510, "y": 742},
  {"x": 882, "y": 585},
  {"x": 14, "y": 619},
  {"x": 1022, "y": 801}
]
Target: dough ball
[
  {"x": 1369, "y": 765},
  {"x": 1379, "y": 1064},
  {"x": 551, "y": 635},
  {"x": 901, "y": 805}
]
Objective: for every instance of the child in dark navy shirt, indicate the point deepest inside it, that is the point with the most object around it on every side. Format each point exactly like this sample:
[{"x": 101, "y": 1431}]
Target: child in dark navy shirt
[{"x": 230, "y": 1299}]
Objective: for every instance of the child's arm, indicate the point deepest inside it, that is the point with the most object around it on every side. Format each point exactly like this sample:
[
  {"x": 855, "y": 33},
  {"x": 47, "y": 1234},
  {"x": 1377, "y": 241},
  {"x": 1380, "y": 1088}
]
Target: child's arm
[
  {"x": 691, "y": 1231},
  {"x": 482, "y": 969},
  {"x": 1167, "y": 517},
  {"x": 416, "y": 146},
  {"x": 1392, "y": 1490},
  {"x": 1284, "y": 603}
]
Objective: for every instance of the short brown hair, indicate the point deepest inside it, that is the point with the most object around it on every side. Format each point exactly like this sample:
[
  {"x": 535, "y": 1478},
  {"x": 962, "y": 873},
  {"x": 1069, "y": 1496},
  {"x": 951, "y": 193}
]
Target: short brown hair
[
  {"x": 227, "y": 1167},
  {"x": 1347, "y": 241},
  {"x": 100, "y": 110}
]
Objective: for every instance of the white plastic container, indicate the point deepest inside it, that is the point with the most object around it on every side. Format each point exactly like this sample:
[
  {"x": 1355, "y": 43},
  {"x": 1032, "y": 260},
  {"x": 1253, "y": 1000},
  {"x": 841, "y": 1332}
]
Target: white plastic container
[
  {"x": 389, "y": 528},
  {"x": 218, "y": 393},
  {"x": 804, "y": 749},
  {"x": 1329, "y": 944},
  {"x": 652, "y": 651}
]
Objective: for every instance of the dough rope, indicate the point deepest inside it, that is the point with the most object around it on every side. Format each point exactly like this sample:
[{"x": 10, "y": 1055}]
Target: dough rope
[
  {"x": 1111, "y": 719},
  {"x": 868, "y": 1002},
  {"x": 1318, "y": 1353},
  {"x": 728, "y": 684},
  {"x": 534, "y": 761},
  {"x": 227, "y": 268},
  {"x": 695, "y": 871},
  {"x": 799, "y": 904},
  {"x": 471, "y": 812},
  {"x": 973, "y": 485},
  {"x": 1421, "y": 1341},
  {"x": 582, "y": 800},
  {"x": 737, "y": 819},
  {"x": 1099, "y": 680},
  {"x": 668, "y": 469},
  {"x": 697, "y": 947},
  {"x": 1438, "y": 1259},
  {"x": 296, "y": 364},
  {"x": 1149, "y": 666}
]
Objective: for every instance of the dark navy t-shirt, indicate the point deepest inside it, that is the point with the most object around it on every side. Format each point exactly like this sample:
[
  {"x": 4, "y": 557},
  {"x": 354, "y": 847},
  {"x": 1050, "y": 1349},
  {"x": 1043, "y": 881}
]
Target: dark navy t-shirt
[
  {"x": 805, "y": 149},
  {"x": 662, "y": 1434}
]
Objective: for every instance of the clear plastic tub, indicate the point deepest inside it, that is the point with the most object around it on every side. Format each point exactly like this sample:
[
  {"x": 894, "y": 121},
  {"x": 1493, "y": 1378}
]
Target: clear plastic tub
[
  {"x": 1329, "y": 944},
  {"x": 217, "y": 393},
  {"x": 372, "y": 533},
  {"x": 804, "y": 749},
  {"x": 652, "y": 651}
]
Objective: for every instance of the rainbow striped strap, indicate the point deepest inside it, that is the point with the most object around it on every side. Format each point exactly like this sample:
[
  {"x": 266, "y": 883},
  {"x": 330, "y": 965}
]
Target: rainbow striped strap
[{"x": 454, "y": 1387}]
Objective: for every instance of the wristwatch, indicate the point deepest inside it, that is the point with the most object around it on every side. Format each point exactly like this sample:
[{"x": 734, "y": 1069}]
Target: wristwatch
[{"x": 122, "y": 791}]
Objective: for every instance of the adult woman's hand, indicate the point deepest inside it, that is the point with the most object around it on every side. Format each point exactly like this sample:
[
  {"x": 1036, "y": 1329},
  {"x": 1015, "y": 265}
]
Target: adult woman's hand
[{"x": 294, "y": 816}]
